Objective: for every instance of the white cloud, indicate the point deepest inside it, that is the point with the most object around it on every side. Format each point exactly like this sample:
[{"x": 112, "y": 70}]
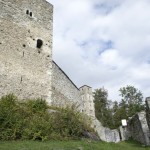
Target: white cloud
[{"x": 104, "y": 43}]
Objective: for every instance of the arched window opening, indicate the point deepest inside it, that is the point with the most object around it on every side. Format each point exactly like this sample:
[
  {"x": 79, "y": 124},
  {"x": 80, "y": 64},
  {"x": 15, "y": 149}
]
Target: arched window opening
[{"x": 39, "y": 43}]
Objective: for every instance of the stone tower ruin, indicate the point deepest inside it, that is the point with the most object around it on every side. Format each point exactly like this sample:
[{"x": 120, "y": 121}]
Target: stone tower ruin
[
  {"x": 87, "y": 100},
  {"x": 26, "y": 48}
]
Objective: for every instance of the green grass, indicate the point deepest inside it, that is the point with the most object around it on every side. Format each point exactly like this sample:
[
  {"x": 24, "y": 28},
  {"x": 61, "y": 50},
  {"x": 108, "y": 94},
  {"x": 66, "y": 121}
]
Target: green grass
[{"x": 70, "y": 145}]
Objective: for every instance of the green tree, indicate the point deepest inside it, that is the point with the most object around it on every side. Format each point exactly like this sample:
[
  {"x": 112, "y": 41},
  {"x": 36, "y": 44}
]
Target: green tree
[
  {"x": 119, "y": 113},
  {"x": 102, "y": 107},
  {"x": 116, "y": 116},
  {"x": 132, "y": 100},
  {"x": 111, "y": 113},
  {"x": 100, "y": 100}
]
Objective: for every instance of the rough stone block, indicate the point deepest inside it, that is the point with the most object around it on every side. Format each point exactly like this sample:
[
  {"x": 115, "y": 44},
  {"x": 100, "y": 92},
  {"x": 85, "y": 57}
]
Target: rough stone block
[
  {"x": 112, "y": 135},
  {"x": 124, "y": 133},
  {"x": 138, "y": 128},
  {"x": 106, "y": 134}
]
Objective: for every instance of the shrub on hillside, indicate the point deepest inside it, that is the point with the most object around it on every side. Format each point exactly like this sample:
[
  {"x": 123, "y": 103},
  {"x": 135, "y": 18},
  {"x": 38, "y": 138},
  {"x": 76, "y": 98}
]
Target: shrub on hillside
[
  {"x": 11, "y": 118},
  {"x": 70, "y": 123},
  {"x": 31, "y": 119}
]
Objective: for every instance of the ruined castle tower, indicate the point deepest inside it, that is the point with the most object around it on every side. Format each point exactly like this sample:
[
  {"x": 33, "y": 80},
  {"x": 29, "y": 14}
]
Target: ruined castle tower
[
  {"x": 87, "y": 100},
  {"x": 26, "y": 48}
]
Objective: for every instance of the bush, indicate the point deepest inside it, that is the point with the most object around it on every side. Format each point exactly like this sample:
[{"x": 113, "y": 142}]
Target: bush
[
  {"x": 69, "y": 123},
  {"x": 11, "y": 120},
  {"x": 31, "y": 119}
]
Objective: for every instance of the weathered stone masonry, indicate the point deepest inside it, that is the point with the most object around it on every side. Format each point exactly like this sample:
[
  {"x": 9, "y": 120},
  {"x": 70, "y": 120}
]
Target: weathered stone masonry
[
  {"x": 87, "y": 100},
  {"x": 26, "y": 48},
  {"x": 64, "y": 91}
]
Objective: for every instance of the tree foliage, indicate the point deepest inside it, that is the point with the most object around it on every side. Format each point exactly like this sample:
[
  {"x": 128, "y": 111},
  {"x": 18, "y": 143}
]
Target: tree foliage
[
  {"x": 102, "y": 110},
  {"x": 132, "y": 100},
  {"x": 111, "y": 113},
  {"x": 131, "y": 95}
]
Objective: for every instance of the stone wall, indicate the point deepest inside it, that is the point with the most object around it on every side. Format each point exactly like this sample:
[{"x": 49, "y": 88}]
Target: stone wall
[
  {"x": 138, "y": 128},
  {"x": 148, "y": 111},
  {"x": 26, "y": 48},
  {"x": 64, "y": 91}
]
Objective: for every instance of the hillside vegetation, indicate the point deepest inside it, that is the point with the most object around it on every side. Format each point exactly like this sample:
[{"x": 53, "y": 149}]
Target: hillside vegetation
[{"x": 35, "y": 120}]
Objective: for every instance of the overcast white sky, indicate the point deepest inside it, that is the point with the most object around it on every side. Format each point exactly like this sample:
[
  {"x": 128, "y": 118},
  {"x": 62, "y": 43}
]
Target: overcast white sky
[{"x": 103, "y": 43}]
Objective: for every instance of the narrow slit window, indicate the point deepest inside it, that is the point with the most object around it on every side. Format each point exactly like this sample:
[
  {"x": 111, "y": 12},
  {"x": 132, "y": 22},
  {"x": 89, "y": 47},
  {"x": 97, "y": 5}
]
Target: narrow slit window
[
  {"x": 31, "y": 14},
  {"x": 21, "y": 79},
  {"x": 27, "y": 12}
]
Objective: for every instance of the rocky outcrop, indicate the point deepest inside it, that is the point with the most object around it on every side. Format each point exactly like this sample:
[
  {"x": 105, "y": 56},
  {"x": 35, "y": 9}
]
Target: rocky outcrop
[
  {"x": 106, "y": 134},
  {"x": 124, "y": 133},
  {"x": 138, "y": 128}
]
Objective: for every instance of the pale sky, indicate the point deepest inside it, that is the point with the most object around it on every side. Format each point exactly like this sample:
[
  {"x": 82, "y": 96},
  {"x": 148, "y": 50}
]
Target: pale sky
[{"x": 103, "y": 43}]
